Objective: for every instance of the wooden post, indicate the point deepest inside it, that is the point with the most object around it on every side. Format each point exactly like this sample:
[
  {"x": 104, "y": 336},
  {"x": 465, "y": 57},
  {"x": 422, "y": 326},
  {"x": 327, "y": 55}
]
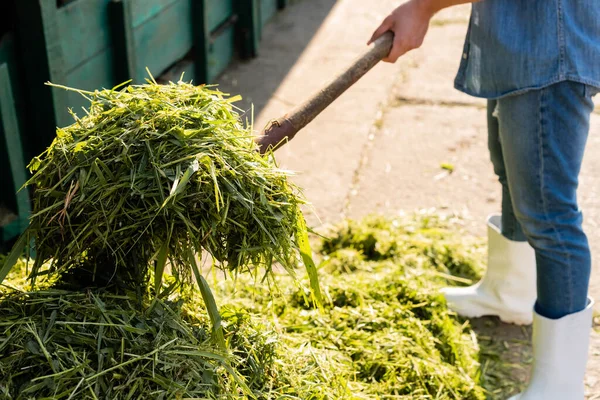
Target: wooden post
[
  {"x": 14, "y": 172},
  {"x": 248, "y": 30},
  {"x": 201, "y": 36},
  {"x": 122, "y": 39},
  {"x": 36, "y": 27}
]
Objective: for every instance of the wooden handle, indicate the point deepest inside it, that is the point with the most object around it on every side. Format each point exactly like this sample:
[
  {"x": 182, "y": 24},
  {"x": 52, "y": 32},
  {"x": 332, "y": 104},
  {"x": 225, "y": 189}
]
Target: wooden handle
[{"x": 282, "y": 130}]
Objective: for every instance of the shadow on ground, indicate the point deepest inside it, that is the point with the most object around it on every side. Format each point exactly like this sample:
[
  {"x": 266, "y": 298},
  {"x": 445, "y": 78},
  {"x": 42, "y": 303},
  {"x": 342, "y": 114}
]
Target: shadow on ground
[{"x": 289, "y": 35}]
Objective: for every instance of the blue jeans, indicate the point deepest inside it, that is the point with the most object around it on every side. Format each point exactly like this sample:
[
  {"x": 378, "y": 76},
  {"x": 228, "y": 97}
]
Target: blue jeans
[{"x": 536, "y": 142}]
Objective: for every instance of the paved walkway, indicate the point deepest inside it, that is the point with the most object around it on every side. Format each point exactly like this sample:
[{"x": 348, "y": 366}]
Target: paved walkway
[{"x": 381, "y": 146}]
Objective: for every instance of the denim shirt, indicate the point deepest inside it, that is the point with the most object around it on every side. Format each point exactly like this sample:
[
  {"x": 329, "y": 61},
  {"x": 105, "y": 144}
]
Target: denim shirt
[{"x": 517, "y": 45}]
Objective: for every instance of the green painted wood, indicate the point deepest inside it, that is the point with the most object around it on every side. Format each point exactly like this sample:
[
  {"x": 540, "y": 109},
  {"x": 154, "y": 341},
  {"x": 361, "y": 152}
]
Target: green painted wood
[
  {"x": 95, "y": 73},
  {"x": 268, "y": 9},
  {"x": 218, "y": 12},
  {"x": 144, "y": 10},
  {"x": 12, "y": 162},
  {"x": 70, "y": 45},
  {"x": 221, "y": 53},
  {"x": 83, "y": 31},
  {"x": 254, "y": 15},
  {"x": 94, "y": 44},
  {"x": 78, "y": 44},
  {"x": 56, "y": 64},
  {"x": 36, "y": 71},
  {"x": 201, "y": 35},
  {"x": 123, "y": 44},
  {"x": 162, "y": 40},
  {"x": 249, "y": 29},
  {"x": 164, "y": 31}
]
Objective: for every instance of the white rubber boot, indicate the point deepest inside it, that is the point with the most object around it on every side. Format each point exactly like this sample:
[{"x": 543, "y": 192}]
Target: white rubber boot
[
  {"x": 560, "y": 353},
  {"x": 508, "y": 288}
]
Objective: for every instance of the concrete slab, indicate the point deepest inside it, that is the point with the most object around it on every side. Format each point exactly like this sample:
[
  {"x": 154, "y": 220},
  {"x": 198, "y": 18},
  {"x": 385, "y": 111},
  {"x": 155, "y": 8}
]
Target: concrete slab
[
  {"x": 321, "y": 38},
  {"x": 404, "y": 170}
]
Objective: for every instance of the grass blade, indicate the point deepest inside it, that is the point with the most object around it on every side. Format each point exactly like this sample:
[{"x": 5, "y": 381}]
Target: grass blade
[
  {"x": 306, "y": 254},
  {"x": 13, "y": 257},
  {"x": 209, "y": 301},
  {"x": 160, "y": 265}
]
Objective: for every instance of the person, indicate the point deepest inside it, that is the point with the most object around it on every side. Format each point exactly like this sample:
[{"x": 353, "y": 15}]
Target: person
[{"x": 537, "y": 62}]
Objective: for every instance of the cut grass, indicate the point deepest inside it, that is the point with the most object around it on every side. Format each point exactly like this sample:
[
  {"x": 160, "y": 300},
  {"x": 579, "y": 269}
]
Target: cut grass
[
  {"x": 94, "y": 345},
  {"x": 384, "y": 327},
  {"x": 383, "y": 331},
  {"x": 150, "y": 174}
]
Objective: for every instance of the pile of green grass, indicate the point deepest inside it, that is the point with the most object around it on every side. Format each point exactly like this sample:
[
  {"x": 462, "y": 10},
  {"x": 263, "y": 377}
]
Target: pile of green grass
[
  {"x": 152, "y": 175},
  {"x": 60, "y": 344},
  {"x": 382, "y": 332},
  {"x": 95, "y": 344}
]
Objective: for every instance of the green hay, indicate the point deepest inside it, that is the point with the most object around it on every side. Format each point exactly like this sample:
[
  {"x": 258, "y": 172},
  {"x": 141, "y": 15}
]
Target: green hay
[
  {"x": 427, "y": 238},
  {"x": 383, "y": 331},
  {"x": 383, "y": 320},
  {"x": 68, "y": 345},
  {"x": 151, "y": 173}
]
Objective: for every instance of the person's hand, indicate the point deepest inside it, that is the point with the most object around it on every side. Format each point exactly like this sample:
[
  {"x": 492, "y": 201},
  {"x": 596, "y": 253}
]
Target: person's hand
[{"x": 409, "y": 22}]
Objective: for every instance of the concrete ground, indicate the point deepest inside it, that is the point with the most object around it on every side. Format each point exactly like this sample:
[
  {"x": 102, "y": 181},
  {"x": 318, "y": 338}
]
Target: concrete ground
[{"x": 381, "y": 146}]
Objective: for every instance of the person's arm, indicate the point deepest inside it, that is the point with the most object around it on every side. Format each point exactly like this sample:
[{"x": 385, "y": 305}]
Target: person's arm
[{"x": 410, "y": 22}]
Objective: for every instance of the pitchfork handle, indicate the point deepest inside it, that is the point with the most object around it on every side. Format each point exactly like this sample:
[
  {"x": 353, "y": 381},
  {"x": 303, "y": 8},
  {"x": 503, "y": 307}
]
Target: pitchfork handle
[{"x": 284, "y": 129}]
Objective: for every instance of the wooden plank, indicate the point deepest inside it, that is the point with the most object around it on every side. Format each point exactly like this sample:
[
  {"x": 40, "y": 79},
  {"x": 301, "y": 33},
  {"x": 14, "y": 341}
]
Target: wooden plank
[
  {"x": 268, "y": 9},
  {"x": 209, "y": 53},
  {"x": 94, "y": 74},
  {"x": 201, "y": 36},
  {"x": 14, "y": 177},
  {"x": 12, "y": 138},
  {"x": 186, "y": 67},
  {"x": 56, "y": 63},
  {"x": 83, "y": 30},
  {"x": 221, "y": 53},
  {"x": 249, "y": 29},
  {"x": 163, "y": 40},
  {"x": 77, "y": 39},
  {"x": 124, "y": 61},
  {"x": 36, "y": 71},
  {"x": 64, "y": 41},
  {"x": 167, "y": 30},
  {"x": 218, "y": 12},
  {"x": 144, "y": 10}
]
